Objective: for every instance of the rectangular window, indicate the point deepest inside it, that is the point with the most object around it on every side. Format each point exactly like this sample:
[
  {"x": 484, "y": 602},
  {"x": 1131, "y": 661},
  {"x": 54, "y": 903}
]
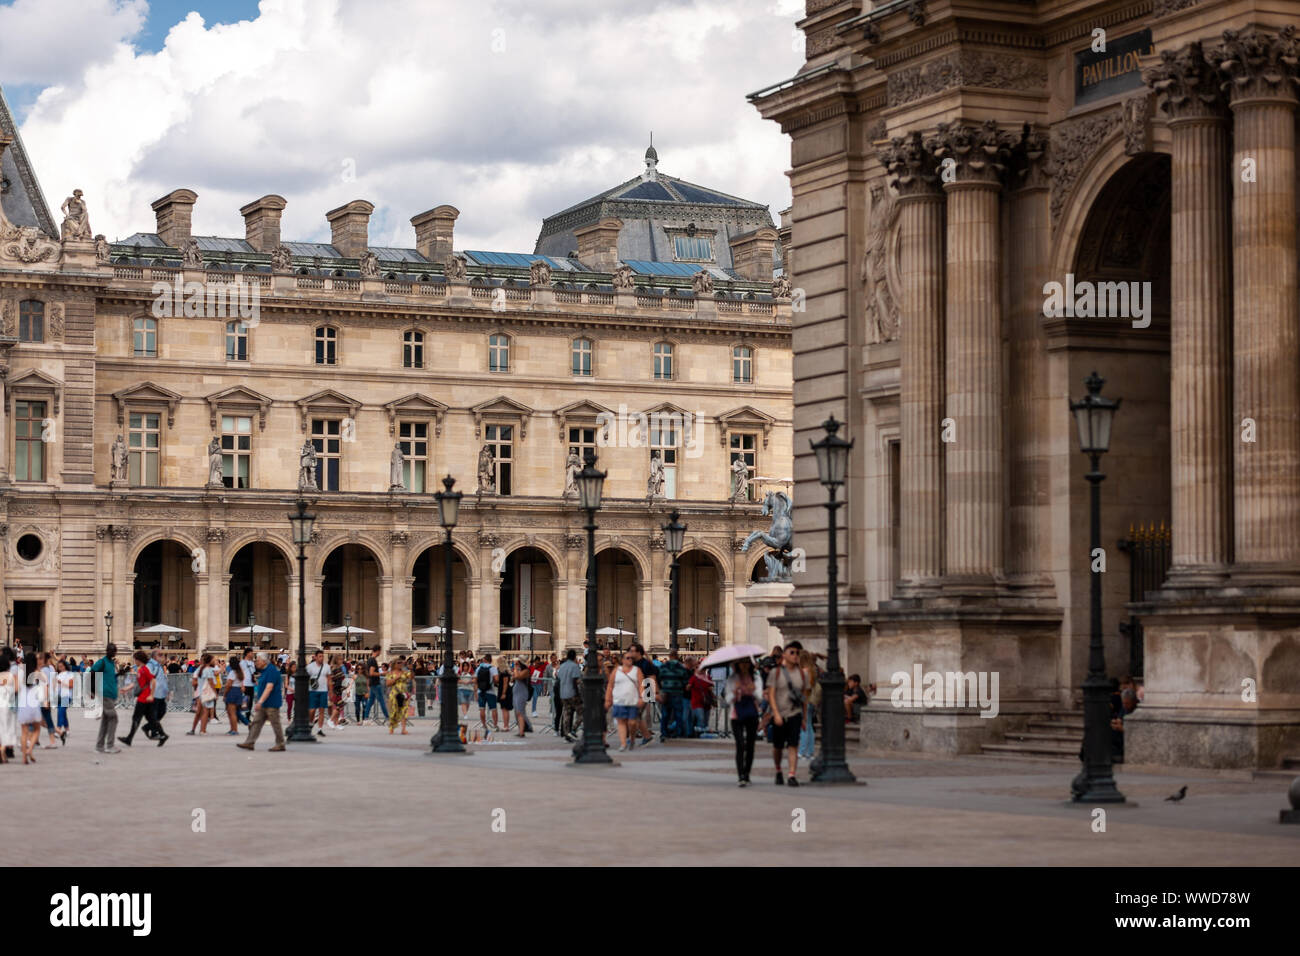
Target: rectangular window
[
  {"x": 663, "y": 443},
  {"x": 31, "y": 321},
  {"x": 145, "y": 337},
  {"x": 742, "y": 365},
  {"x": 325, "y": 439},
  {"x": 29, "y": 450},
  {"x": 499, "y": 439},
  {"x": 663, "y": 361},
  {"x": 413, "y": 350},
  {"x": 327, "y": 346},
  {"x": 498, "y": 353},
  {"x": 581, "y": 441},
  {"x": 143, "y": 442},
  {"x": 415, "y": 449},
  {"x": 236, "y": 451},
  {"x": 692, "y": 247},
  {"x": 744, "y": 445},
  {"x": 236, "y": 342},
  {"x": 582, "y": 356}
]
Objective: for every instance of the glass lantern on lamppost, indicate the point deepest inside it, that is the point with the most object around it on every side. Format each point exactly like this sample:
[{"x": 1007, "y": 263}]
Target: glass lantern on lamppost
[
  {"x": 1093, "y": 417},
  {"x": 590, "y": 749},
  {"x": 447, "y": 739},
  {"x": 674, "y": 539},
  {"x": 708, "y": 634},
  {"x": 301, "y": 522},
  {"x": 830, "y": 765},
  {"x": 108, "y": 625}
]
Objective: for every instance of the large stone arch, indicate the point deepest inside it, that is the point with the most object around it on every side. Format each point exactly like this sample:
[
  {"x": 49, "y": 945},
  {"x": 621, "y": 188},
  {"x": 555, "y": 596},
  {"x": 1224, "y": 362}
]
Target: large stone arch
[
  {"x": 638, "y": 555},
  {"x": 322, "y": 552},
  {"x": 185, "y": 536},
  {"x": 466, "y": 554},
  {"x": 721, "y": 558},
  {"x": 553, "y": 555},
  {"x": 282, "y": 545}
]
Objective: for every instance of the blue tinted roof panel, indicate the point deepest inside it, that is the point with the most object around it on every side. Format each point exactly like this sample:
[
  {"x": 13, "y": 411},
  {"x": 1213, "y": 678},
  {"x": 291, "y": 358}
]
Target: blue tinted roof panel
[{"x": 648, "y": 191}]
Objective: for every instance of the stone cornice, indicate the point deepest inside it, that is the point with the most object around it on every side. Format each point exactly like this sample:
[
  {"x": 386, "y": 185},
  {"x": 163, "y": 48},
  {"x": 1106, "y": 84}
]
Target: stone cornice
[{"x": 983, "y": 69}]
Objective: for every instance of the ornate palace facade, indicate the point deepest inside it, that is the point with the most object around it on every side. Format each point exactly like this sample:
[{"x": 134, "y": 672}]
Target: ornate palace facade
[
  {"x": 959, "y": 170},
  {"x": 170, "y": 395}
]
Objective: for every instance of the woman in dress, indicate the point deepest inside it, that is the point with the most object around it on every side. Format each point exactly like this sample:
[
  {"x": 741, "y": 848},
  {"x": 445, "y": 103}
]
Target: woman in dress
[
  {"x": 623, "y": 696},
  {"x": 290, "y": 670},
  {"x": 349, "y": 693},
  {"x": 205, "y": 695},
  {"x": 64, "y": 678},
  {"x": 9, "y": 688},
  {"x": 32, "y": 699},
  {"x": 504, "y": 700},
  {"x": 465, "y": 687},
  {"x": 399, "y": 696},
  {"x": 522, "y": 691},
  {"x": 234, "y": 695}
]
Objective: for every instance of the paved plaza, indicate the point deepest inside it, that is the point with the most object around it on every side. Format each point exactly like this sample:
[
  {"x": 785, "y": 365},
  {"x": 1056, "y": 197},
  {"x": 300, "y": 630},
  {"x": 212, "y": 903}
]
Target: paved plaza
[{"x": 363, "y": 797}]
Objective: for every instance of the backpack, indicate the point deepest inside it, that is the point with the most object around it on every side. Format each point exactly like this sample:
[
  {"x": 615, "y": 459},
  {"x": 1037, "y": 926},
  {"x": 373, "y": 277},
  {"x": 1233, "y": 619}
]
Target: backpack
[{"x": 483, "y": 677}]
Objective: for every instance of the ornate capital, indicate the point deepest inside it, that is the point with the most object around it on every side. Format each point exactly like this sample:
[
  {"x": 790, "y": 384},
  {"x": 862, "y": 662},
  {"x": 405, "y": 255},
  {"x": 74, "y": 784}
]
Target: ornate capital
[
  {"x": 101, "y": 531},
  {"x": 398, "y": 537},
  {"x": 1257, "y": 62},
  {"x": 911, "y": 166},
  {"x": 737, "y": 545},
  {"x": 216, "y": 534},
  {"x": 971, "y": 153},
  {"x": 656, "y": 542},
  {"x": 487, "y": 539},
  {"x": 574, "y": 542},
  {"x": 1187, "y": 84},
  {"x": 1029, "y": 167},
  {"x": 121, "y": 532}
]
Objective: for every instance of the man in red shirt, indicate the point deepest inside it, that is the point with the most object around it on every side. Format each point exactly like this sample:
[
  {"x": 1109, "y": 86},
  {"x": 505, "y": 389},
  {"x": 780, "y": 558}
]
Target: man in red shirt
[
  {"x": 536, "y": 672},
  {"x": 144, "y": 709},
  {"x": 700, "y": 687}
]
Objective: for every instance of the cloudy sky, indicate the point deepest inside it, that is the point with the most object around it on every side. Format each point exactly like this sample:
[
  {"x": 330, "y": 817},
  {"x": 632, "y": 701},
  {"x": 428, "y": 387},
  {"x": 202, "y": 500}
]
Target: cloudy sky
[{"x": 507, "y": 109}]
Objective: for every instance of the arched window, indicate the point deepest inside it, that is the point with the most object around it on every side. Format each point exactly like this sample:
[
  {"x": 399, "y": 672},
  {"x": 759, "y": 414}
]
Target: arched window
[
  {"x": 742, "y": 365},
  {"x": 144, "y": 337},
  {"x": 498, "y": 353},
  {"x": 327, "y": 340},
  {"x": 236, "y": 341},
  {"x": 413, "y": 349},
  {"x": 31, "y": 321},
  {"x": 663, "y": 353},
  {"x": 581, "y": 353}
]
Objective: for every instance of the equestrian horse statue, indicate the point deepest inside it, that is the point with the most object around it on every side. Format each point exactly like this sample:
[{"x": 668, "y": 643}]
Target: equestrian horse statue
[{"x": 777, "y": 537}]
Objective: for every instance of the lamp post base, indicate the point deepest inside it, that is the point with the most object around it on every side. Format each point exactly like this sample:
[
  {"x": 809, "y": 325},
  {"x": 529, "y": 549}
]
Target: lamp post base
[
  {"x": 442, "y": 745},
  {"x": 297, "y": 736},
  {"x": 834, "y": 773}
]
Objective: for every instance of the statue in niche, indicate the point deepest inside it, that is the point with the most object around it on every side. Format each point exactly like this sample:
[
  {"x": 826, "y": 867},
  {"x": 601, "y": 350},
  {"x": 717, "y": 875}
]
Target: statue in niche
[
  {"x": 739, "y": 480},
  {"x": 118, "y": 460},
  {"x": 655, "y": 485},
  {"x": 307, "y": 468},
  {"x": 214, "y": 462},
  {"x": 571, "y": 469},
  {"x": 882, "y": 307},
  {"x": 487, "y": 480},
  {"x": 396, "y": 461}
]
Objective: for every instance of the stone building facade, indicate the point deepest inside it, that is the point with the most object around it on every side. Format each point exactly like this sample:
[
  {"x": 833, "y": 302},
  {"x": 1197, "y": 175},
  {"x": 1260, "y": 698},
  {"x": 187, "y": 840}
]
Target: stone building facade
[
  {"x": 190, "y": 388},
  {"x": 949, "y": 164}
]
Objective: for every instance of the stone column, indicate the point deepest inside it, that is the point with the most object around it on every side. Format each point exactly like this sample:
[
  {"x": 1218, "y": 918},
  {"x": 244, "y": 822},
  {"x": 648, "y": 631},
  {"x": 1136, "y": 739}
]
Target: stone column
[
  {"x": 1201, "y": 320},
  {"x": 400, "y": 593},
  {"x": 123, "y": 627},
  {"x": 217, "y": 627},
  {"x": 921, "y": 270},
  {"x": 1260, "y": 67},
  {"x": 291, "y": 637},
  {"x": 575, "y": 550},
  {"x": 654, "y": 628},
  {"x": 971, "y": 165}
]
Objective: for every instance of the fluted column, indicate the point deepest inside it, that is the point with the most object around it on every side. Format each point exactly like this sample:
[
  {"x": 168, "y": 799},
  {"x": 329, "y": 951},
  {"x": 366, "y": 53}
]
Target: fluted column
[
  {"x": 973, "y": 463},
  {"x": 1260, "y": 68},
  {"x": 1201, "y": 321},
  {"x": 921, "y": 270},
  {"x": 216, "y": 633}
]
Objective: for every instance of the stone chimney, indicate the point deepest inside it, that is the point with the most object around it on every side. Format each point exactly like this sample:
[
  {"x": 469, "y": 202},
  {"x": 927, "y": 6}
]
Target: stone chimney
[
  {"x": 350, "y": 228},
  {"x": 598, "y": 244},
  {"x": 262, "y": 222},
  {"x": 175, "y": 212},
  {"x": 751, "y": 253},
  {"x": 433, "y": 232}
]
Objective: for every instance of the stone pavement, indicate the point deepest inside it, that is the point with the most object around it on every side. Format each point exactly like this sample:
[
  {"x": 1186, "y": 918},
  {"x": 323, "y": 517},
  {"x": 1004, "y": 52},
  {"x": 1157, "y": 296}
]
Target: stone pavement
[{"x": 364, "y": 797}]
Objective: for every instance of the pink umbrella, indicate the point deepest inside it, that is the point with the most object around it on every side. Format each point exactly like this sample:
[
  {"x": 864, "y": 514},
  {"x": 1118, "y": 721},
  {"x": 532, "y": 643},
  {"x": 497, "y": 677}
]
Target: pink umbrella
[{"x": 736, "y": 652}]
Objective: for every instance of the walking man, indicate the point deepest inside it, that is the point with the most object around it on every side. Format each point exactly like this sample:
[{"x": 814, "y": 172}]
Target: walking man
[
  {"x": 785, "y": 696},
  {"x": 675, "y": 715},
  {"x": 485, "y": 678},
  {"x": 249, "y": 671},
  {"x": 651, "y": 673},
  {"x": 376, "y": 682},
  {"x": 160, "y": 689},
  {"x": 103, "y": 676},
  {"x": 566, "y": 688},
  {"x": 318, "y": 698},
  {"x": 268, "y": 699}
]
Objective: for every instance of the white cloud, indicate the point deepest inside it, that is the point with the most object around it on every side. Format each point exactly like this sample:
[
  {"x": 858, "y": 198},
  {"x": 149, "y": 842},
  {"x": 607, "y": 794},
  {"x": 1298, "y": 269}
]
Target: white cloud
[
  {"x": 52, "y": 41},
  {"x": 415, "y": 95}
]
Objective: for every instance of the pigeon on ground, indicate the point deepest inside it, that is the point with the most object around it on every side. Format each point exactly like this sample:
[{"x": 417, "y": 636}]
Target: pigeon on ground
[{"x": 1174, "y": 798}]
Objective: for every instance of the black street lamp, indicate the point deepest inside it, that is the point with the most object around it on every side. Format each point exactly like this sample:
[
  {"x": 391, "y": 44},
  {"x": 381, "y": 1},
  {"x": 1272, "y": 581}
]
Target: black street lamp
[
  {"x": 447, "y": 739},
  {"x": 1093, "y": 416},
  {"x": 591, "y": 748},
  {"x": 830, "y": 766},
  {"x": 301, "y": 522},
  {"x": 708, "y": 634},
  {"x": 108, "y": 625},
  {"x": 674, "y": 538}
]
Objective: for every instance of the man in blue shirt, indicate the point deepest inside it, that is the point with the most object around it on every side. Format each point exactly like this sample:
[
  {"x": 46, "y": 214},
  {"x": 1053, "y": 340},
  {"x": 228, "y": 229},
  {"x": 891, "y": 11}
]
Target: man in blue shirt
[
  {"x": 160, "y": 689},
  {"x": 103, "y": 684},
  {"x": 268, "y": 698}
]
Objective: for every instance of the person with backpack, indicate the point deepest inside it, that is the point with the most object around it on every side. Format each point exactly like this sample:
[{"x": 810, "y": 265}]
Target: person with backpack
[
  {"x": 485, "y": 679},
  {"x": 786, "y": 693}
]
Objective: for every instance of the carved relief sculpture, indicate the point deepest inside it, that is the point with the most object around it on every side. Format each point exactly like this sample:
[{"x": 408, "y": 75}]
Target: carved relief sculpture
[
  {"x": 103, "y": 254},
  {"x": 623, "y": 279},
  {"x": 307, "y": 468},
  {"x": 539, "y": 273},
  {"x": 281, "y": 259},
  {"x": 369, "y": 265},
  {"x": 702, "y": 282},
  {"x": 26, "y": 244},
  {"x": 214, "y": 462},
  {"x": 9, "y": 318},
  {"x": 56, "y": 320},
  {"x": 881, "y": 300},
  {"x": 456, "y": 268},
  {"x": 781, "y": 287},
  {"x": 76, "y": 221},
  {"x": 191, "y": 256}
]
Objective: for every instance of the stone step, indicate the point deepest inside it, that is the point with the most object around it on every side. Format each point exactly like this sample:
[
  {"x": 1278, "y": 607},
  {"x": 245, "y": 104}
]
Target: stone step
[
  {"x": 1061, "y": 751},
  {"x": 1055, "y": 727},
  {"x": 1059, "y": 736}
]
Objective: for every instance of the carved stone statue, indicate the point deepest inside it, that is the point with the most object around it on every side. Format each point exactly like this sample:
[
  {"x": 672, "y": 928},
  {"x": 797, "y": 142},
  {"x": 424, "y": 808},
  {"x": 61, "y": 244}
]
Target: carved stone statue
[
  {"x": 76, "y": 221},
  {"x": 456, "y": 268},
  {"x": 191, "y": 255},
  {"x": 118, "y": 460},
  {"x": 369, "y": 265},
  {"x": 623, "y": 279},
  {"x": 539, "y": 273},
  {"x": 103, "y": 255},
  {"x": 739, "y": 480},
  {"x": 395, "y": 463},
  {"x": 571, "y": 469},
  {"x": 778, "y": 536},
  {"x": 702, "y": 282},
  {"x": 307, "y": 468},
  {"x": 487, "y": 479},
  {"x": 198, "y": 561},
  {"x": 655, "y": 485},
  {"x": 882, "y": 309},
  {"x": 214, "y": 462},
  {"x": 281, "y": 259},
  {"x": 781, "y": 287}
]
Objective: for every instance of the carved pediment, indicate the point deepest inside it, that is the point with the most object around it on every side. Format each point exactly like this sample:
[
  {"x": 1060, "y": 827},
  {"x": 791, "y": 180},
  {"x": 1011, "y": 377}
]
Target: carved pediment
[
  {"x": 745, "y": 417},
  {"x": 501, "y": 407},
  {"x": 327, "y": 401},
  {"x": 580, "y": 412},
  {"x": 238, "y": 397},
  {"x": 34, "y": 380},
  {"x": 147, "y": 393},
  {"x": 413, "y": 406}
]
